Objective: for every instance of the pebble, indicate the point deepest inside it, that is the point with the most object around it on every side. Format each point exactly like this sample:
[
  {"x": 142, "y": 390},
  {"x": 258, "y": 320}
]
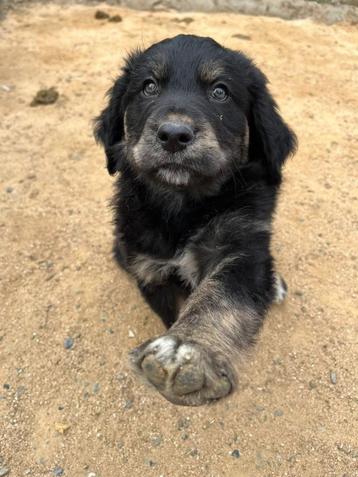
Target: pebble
[
  {"x": 150, "y": 462},
  {"x": 91, "y": 474},
  {"x": 6, "y": 386},
  {"x": 194, "y": 452},
  {"x": 9, "y": 189},
  {"x": 6, "y": 88},
  {"x": 183, "y": 423},
  {"x": 115, "y": 19},
  {"x": 101, "y": 15},
  {"x": 235, "y": 453},
  {"x": 45, "y": 96},
  {"x": 333, "y": 377},
  {"x": 156, "y": 440},
  {"x": 62, "y": 427},
  {"x": 131, "y": 334},
  {"x": 58, "y": 471},
  {"x": 128, "y": 404},
  {"x": 4, "y": 471},
  {"x": 278, "y": 412},
  {"x": 68, "y": 343}
]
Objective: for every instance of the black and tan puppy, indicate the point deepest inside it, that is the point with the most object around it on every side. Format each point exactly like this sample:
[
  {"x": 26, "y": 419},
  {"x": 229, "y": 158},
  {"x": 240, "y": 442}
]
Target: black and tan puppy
[{"x": 199, "y": 144}]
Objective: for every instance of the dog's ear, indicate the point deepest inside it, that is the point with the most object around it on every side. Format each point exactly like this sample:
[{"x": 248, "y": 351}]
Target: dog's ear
[
  {"x": 109, "y": 125},
  {"x": 271, "y": 140}
]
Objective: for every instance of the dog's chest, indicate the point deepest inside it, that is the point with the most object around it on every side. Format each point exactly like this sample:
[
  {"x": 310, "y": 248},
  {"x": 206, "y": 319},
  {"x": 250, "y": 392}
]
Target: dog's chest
[{"x": 149, "y": 269}]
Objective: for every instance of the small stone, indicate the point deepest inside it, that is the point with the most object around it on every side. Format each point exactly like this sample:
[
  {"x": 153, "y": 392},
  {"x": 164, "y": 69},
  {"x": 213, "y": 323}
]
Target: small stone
[
  {"x": 62, "y": 427},
  {"x": 58, "y": 471},
  {"x": 278, "y": 412},
  {"x": 128, "y": 404},
  {"x": 45, "y": 96},
  {"x": 121, "y": 376},
  {"x": 68, "y": 343},
  {"x": 312, "y": 384},
  {"x": 156, "y": 440},
  {"x": 333, "y": 377},
  {"x": 4, "y": 471},
  {"x": 9, "y": 189},
  {"x": 6, "y": 88},
  {"x": 6, "y": 386},
  {"x": 131, "y": 334},
  {"x": 91, "y": 474},
  {"x": 115, "y": 19},
  {"x": 194, "y": 452},
  {"x": 235, "y": 453},
  {"x": 96, "y": 388},
  {"x": 184, "y": 436},
  {"x": 101, "y": 15},
  {"x": 183, "y": 423},
  {"x": 150, "y": 462}
]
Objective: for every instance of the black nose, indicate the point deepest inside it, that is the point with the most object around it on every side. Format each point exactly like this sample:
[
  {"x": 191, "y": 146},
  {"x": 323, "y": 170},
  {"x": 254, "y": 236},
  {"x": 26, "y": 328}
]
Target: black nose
[{"x": 175, "y": 136}]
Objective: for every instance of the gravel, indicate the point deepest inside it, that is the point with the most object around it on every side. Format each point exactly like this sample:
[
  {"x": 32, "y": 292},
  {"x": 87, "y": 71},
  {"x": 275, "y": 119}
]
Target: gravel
[
  {"x": 68, "y": 343},
  {"x": 183, "y": 423},
  {"x": 236, "y": 453},
  {"x": 115, "y": 19},
  {"x": 156, "y": 440},
  {"x": 45, "y": 96},
  {"x": 58, "y": 471},
  {"x": 333, "y": 377},
  {"x": 101, "y": 15}
]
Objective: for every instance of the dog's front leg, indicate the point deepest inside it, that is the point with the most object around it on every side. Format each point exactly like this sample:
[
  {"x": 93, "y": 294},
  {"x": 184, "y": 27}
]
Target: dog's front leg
[{"x": 196, "y": 361}]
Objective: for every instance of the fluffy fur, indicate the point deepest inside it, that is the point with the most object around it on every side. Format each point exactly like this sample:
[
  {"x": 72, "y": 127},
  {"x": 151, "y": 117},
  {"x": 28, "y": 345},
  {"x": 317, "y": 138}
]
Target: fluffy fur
[{"x": 193, "y": 208}]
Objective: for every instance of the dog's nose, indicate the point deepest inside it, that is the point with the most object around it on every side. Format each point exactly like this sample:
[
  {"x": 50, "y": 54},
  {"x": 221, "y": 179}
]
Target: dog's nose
[{"x": 175, "y": 136}]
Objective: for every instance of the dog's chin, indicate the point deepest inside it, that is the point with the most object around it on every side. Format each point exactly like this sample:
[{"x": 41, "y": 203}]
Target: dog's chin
[{"x": 174, "y": 176}]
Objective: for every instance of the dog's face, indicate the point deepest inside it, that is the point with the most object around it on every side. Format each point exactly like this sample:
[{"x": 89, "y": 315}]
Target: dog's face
[{"x": 187, "y": 113}]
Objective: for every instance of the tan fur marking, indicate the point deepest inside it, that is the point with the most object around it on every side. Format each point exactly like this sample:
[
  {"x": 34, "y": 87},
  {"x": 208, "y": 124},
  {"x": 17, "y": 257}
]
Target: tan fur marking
[{"x": 211, "y": 71}]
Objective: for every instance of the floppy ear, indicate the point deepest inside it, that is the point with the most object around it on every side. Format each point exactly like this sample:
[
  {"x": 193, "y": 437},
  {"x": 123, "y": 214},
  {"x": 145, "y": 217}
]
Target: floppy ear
[
  {"x": 109, "y": 125},
  {"x": 271, "y": 140}
]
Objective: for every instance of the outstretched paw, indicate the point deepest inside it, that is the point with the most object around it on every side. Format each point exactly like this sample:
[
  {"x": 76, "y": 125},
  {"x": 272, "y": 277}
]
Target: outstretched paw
[{"x": 184, "y": 372}]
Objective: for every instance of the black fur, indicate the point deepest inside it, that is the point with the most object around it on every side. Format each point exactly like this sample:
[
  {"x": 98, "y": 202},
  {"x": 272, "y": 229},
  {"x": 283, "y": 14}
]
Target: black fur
[{"x": 222, "y": 213}]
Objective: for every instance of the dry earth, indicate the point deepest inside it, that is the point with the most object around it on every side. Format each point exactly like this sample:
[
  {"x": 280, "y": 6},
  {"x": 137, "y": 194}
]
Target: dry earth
[{"x": 79, "y": 412}]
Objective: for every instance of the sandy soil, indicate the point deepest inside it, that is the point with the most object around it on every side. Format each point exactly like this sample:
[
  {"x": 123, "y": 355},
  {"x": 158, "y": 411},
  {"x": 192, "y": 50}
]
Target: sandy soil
[{"x": 79, "y": 412}]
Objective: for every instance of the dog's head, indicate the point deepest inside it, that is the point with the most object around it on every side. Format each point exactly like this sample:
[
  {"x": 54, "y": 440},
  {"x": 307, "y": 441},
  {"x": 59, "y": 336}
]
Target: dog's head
[{"x": 188, "y": 113}]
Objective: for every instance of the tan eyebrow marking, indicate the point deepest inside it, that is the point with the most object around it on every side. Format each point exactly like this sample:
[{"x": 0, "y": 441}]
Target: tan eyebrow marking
[
  {"x": 210, "y": 71},
  {"x": 159, "y": 68}
]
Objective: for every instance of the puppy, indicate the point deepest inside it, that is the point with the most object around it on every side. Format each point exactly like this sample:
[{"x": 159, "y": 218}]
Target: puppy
[{"x": 199, "y": 144}]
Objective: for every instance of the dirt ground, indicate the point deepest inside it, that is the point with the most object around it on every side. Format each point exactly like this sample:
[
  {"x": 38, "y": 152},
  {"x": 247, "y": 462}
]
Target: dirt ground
[{"x": 68, "y": 403}]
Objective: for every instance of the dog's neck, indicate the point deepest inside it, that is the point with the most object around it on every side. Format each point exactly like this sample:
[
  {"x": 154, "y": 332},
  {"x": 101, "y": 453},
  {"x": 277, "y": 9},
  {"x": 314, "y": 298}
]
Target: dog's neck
[{"x": 172, "y": 203}]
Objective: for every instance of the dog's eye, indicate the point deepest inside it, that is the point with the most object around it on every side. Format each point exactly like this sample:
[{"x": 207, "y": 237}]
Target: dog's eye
[
  {"x": 150, "y": 88},
  {"x": 220, "y": 93}
]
